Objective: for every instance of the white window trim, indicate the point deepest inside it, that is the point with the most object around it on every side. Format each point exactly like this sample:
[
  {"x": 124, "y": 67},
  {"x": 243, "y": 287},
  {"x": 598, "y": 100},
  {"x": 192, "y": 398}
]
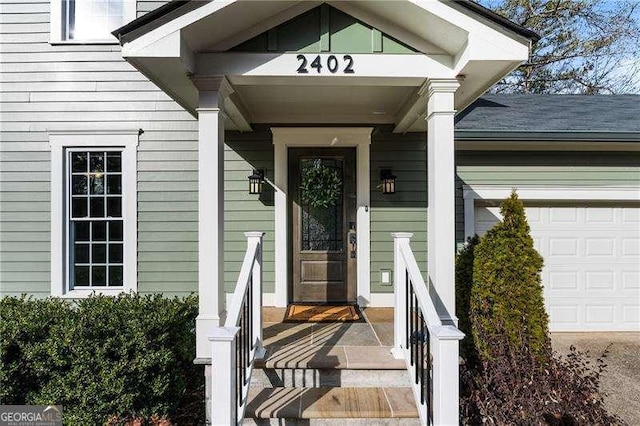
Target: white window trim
[
  {"x": 286, "y": 137},
  {"x": 55, "y": 24},
  {"x": 471, "y": 193},
  {"x": 59, "y": 142}
]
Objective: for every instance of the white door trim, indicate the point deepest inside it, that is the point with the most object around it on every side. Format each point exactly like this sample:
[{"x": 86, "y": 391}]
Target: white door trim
[
  {"x": 286, "y": 137},
  {"x": 471, "y": 193}
]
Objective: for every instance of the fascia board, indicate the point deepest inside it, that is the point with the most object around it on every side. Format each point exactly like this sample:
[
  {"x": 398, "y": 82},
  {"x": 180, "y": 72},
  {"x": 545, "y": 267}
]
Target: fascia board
[{"x": 174, "y": 26}]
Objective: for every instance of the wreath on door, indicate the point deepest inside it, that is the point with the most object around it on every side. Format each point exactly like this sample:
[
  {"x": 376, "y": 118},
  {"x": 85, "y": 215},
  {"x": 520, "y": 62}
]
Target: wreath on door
[{"x": 320, "y": 185}]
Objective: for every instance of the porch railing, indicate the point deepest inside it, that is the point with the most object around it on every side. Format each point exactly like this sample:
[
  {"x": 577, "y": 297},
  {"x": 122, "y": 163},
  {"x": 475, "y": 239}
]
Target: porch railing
[
  {"x": 237, "y": 344},
  {"x": 425, "y": 335}
]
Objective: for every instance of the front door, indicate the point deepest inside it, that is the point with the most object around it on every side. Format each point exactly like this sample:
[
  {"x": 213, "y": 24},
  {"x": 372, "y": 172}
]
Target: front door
[{"x": 322, "y": 189}]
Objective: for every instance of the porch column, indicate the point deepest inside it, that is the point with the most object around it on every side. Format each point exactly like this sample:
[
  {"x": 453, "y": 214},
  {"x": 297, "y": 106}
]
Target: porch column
[
  {"x": 211, "y": 119},
  {"x": 441, "y": 187}
]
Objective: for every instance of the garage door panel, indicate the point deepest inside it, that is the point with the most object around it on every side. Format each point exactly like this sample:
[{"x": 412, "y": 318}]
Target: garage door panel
[
  {"x": 599, "y": 215},
  {"x": 561, "y": 280},
  {"x": 563, "y": 247},
  {"x": 599, "y": 313},
  {"x": 631, "y": 247},
  {"x": 561, "y": 215},
  {"x": 591, "y": 273},
  {"x": 564, "y": 315},
  {"x": 630, "y": 280},
  {"x": 600, "y": 280},
  {"x": 631, "y": 316},
  {"x": 631, "y": 215}
]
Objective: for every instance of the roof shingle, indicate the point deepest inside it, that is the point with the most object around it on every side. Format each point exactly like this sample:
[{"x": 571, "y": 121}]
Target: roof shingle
[{"x": 552, "y": 113}]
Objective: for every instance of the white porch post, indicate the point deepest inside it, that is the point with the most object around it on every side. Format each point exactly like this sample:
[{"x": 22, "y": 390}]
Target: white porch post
[
  {"x": 446, "y": 396},
  {"x": 256, "y": 280},
  {"x": 400, "y": 294},
  {"x": 223, "y": 410},
  {"x": 211, "y": 118},
  {"x": 441, "y": 187}
]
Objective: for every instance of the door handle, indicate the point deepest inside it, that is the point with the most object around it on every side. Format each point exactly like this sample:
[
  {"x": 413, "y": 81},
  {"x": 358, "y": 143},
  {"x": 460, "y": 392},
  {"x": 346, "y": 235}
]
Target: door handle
[{"x": 353, "y": 241}]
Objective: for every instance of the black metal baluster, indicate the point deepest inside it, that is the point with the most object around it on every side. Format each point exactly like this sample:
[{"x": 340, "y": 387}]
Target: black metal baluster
[
  {"x": 238, "y": 382},
  {"x": 422, "y": 341},
  {"x": 251, "y": 314},
  {"x": 407, "y": 311},
  {"x": 415, "y": 334},
  {"x": 247, "y": 325},
  {"x": 429, "y": 379},
  {"x": 411, "y": 321},
  {"x": 242, "y": 350}
]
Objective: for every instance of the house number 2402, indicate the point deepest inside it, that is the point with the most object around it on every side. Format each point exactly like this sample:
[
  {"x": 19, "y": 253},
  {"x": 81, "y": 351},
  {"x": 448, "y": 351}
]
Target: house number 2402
[{"x": 333, "y": 64}]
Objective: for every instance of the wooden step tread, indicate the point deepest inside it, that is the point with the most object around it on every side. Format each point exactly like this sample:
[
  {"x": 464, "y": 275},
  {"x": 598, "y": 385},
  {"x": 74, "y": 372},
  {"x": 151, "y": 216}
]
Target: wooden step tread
[
  {"x": 331, "y": 357},
  {"x": 337, "y": 402}
]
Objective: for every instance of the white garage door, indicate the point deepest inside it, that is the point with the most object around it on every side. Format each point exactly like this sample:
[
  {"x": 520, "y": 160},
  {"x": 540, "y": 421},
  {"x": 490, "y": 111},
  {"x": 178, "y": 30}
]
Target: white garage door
[{"x": 591, "y": 274}]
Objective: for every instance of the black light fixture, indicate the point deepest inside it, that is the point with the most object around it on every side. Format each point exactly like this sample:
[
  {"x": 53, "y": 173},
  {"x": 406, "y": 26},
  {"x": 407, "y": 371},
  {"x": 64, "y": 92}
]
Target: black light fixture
[
  {"x": 388, "y": 181},
  {"x": 255, "y": 182}
]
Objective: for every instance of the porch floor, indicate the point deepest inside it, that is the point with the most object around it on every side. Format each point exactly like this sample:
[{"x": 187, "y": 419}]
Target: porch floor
[{"x": 339, "y": 345}]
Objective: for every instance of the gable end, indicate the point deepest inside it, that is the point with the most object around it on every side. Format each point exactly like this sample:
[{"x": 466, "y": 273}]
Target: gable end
[{"x": 324, "y": 29}]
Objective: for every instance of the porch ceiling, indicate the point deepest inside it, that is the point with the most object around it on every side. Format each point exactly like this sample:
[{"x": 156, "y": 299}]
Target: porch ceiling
[
  {"x": 453, "y": 43},
  {"x": 323, "y": 104}
]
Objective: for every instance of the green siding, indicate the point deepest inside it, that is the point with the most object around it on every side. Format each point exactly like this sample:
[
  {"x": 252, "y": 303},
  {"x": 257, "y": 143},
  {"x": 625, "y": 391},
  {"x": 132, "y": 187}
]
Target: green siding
[
  {"x": 406, "y": 210},
  {"x": 245, "y": 212},
  {"x": 538, "y": 168},
  {"x": 324, "y": 29}
]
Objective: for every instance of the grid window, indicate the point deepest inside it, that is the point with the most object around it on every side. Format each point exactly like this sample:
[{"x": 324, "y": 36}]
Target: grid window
[
  {"x": 96, "y": 244},
  {"x": 91, "y": 19}
]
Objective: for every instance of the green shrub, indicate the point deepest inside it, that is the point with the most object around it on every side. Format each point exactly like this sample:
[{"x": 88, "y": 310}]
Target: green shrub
[
  {"x": 464, "y": 280},
  {"x": 100, "y": 357},
  {"x": 506, "y": 296}
]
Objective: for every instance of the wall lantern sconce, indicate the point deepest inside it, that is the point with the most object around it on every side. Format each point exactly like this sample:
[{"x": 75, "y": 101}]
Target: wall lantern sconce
[
  {"x": 256, "y": 180},
  {"x": 388, "y": 181}
]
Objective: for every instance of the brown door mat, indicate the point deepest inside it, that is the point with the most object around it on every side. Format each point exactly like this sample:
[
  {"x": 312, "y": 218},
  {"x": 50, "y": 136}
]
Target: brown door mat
[{"x": 321, "y": 313}]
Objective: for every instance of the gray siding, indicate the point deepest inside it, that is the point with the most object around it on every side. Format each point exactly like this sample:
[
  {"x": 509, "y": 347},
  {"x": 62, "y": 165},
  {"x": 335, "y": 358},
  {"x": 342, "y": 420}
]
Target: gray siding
[
  {"x": 69, "y": 87},
  {"x": 551, "y": 168}
]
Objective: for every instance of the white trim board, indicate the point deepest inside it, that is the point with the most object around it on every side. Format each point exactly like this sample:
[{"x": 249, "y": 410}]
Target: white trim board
[
  {"x": 286, "y": 137},
  {"x": 471, "y": 193},
  {"x": 59, "y": 141}
]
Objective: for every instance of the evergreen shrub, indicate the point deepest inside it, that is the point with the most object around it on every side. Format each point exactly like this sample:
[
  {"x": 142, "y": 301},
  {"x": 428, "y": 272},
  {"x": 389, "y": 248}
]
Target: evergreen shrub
[
  {"x": 506, "y": 296},
  {"x": 464, "y": 281},
  {"x": 101, "y": 358}
]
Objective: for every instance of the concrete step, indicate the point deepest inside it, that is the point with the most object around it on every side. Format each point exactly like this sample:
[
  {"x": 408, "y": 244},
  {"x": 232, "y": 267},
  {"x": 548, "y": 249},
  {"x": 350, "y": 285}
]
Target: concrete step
[
  {"x": 332, "y": 422},
  {"x": 312, "y": 378},
  {"x": 331, "y": 357},
  {"x": 331, "y": 403}
]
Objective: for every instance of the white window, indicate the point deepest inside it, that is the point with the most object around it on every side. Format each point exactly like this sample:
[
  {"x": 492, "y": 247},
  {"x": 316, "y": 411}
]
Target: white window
[
  {"x": 93, "y": 213},
  {"x": 89, "y": 21}
]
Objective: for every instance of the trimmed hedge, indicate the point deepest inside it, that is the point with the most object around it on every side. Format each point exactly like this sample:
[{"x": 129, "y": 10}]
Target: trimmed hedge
[{"x": 102, "y": 358}]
